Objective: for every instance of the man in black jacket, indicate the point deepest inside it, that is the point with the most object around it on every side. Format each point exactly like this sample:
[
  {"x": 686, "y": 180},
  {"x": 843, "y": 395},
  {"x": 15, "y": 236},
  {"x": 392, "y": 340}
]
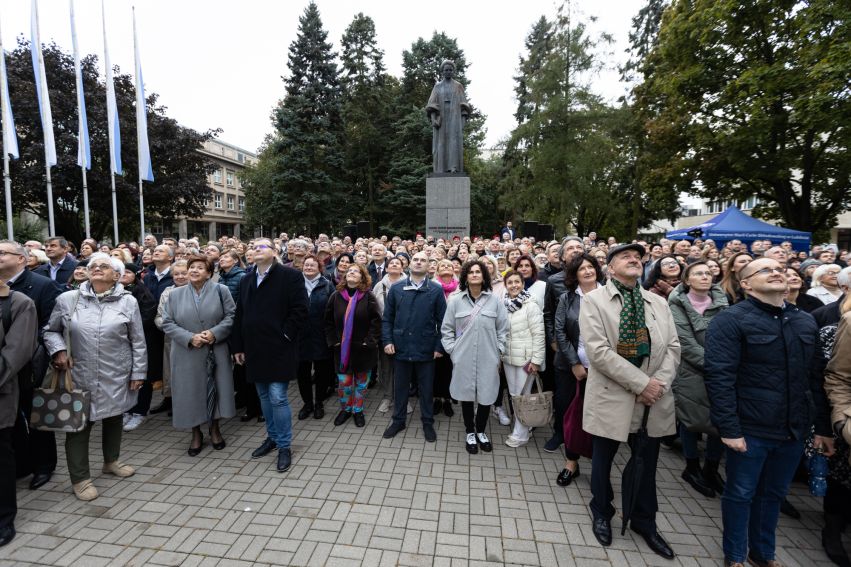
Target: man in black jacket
[
  {"x": 61, "y": 266},
  {"x": 35, "y": 449},
  {"x": 272, "y": 310},
  {"x": 764, "y": 397}
]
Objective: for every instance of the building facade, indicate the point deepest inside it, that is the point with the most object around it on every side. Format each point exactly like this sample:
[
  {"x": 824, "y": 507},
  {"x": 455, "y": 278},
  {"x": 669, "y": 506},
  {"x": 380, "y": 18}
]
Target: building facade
[{"x": 225, "y": 212}]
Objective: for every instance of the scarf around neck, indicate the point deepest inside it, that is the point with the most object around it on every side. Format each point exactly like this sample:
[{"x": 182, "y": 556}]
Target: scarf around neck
[
  {"x": 633, "y": 338},
  {"x": 348, "y": 327},
  {"x": 513, "y": 305},
  {"x": 448, "y": 287},
  {"x": 310, "y": 285}
]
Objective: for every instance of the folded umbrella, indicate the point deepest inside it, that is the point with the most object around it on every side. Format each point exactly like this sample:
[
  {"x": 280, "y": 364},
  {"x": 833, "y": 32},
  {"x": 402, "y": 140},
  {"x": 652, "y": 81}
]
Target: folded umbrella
[
  {"x": 212, "y": 392},
  {"x": 634, "y": 470}
]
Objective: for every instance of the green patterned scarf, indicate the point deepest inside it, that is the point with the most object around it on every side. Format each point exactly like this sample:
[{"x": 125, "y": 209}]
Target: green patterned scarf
[{"x": 633, "y": 339}]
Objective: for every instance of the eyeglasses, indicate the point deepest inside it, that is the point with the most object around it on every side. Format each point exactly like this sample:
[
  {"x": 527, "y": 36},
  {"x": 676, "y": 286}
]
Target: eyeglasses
[
  {"x": 4, "y": 253},
  {"x": 766, "y": 271},
  {"x": 91, "y": 267},
  {"x": 831, "y": 273},
  {"x": 669, "y": 263}
]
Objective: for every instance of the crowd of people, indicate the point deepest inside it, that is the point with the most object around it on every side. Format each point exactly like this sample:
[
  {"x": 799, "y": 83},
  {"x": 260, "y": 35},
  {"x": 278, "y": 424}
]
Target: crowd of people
[{"x": 741, "y": 349}]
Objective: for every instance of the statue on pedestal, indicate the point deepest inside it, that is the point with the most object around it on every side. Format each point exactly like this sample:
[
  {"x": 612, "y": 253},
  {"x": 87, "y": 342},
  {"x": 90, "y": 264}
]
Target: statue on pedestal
[{"x": 448, "y": 110}]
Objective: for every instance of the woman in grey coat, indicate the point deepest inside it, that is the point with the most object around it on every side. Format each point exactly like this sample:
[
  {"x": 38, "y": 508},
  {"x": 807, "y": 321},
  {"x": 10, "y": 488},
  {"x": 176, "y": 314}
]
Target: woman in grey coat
[
  {"x": 198, "y": 319},
  {"x": 474, "y": 333},
  {"x": 109, "y": 360},
  {"x": 693, "y": 304}
]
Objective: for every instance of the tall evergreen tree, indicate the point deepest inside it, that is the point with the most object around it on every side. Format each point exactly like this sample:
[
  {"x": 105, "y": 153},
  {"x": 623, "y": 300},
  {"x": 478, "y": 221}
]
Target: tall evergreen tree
[
  {"x": 307, "y": 150},
  {"x": 367, "y": 105}
]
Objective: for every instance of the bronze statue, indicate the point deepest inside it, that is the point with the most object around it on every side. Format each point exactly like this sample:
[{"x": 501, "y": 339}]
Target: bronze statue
[{"x": 448, "y": 111}]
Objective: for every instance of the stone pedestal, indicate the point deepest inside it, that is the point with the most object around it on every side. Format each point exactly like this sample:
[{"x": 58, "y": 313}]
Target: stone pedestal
[{"x": 447, "y": 205}]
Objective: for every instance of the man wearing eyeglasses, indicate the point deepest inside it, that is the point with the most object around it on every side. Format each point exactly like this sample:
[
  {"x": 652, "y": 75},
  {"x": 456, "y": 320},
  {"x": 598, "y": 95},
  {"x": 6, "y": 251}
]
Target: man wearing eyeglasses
[{"x": 764, "y": 397}]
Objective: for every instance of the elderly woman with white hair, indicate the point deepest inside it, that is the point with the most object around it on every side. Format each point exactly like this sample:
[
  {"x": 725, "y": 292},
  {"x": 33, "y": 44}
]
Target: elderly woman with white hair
[
  {"x": 825, "y": 285},
  {"x": 103, "y": 323}
]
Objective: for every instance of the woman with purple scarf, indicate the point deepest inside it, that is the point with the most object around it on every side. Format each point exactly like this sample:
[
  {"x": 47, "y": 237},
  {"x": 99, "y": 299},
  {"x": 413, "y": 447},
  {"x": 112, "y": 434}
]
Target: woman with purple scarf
[{"x": 353, "y": 330}]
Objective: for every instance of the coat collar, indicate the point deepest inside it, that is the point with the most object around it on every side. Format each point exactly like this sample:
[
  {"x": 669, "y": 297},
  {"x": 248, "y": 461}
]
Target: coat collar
[{"x": 613, "y": 291}]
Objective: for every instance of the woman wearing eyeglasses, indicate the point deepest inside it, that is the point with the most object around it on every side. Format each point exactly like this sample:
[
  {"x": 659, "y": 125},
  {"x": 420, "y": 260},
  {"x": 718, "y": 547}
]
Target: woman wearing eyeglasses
[
  {"x": 664, "y": 276},
  {"x": 693, "y": 304},
  {"x": 103, "y": 323},
  {"x": 825, "y": 286}
]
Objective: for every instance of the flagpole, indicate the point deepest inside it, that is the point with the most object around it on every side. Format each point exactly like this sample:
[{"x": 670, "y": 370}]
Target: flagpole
[
  {"x": 141, "y": 212},
  {"x": 114, "y": 213},
  {"x": 7, "y": 183},
  {"x": 50, "y": 224},
  {"x": 44, "y": 111},
  {"x": 83, "y": 150},
  {"x": 86, "y": 203}
]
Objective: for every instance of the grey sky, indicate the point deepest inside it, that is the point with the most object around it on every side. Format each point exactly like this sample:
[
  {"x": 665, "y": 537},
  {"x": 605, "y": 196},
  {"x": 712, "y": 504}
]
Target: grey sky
[{"x": 218, "y": 63}]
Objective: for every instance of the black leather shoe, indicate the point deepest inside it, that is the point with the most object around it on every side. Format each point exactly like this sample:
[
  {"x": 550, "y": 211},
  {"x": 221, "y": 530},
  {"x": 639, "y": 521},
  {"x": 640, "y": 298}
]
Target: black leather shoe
[
  {"x": 305, "y": 412},
  {"x": 39, "y": 479},
  {"x": 429, "y": 433},
  {"x": 263, "y": 449},
  {"x": 566, "y": 476},
  {"x": 342, "y": 418},
  {"x": 285, "y": 459},
  {"x": 393, "y": 429},
  {"x": 319, "y": 411},
  {"x": 787, "y": 509},
  {"x": 484, "y": 443},
  {"x": 247, "y": 417},
  {"x": 195, "y": 451},
  {"x": 696, "y": 480},
  {"x": 164, "y": 406},
  {"x": 217, "y": 446},
  {"x": 602, "y": 529},
  {"x": 360, "y": 419},
  {"x": 656, "y": 543},
  {"x": 6, "y": 535},
  {"x": 713, "y": 477}
]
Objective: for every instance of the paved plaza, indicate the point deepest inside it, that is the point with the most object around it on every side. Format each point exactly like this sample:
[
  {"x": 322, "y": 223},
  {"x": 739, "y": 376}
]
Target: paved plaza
[{"x": 353, "y": 498}]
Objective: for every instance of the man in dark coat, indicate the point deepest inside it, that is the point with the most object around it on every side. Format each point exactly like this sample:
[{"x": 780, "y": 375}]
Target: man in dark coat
[
  {"x": 377, "y": 268},
  {"x": 764, "y": 397},
  {"x": 18, "y": 336},
  {"x": 272, "y": 310},
  {"x": 413, "y": 314},
  {"x": 60, "y": 267},
  {"x": 35, "y": 449}
]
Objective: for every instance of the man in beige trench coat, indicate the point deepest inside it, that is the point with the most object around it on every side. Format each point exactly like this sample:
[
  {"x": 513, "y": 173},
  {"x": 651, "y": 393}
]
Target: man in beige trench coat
[{"x": 633, "y": 349}]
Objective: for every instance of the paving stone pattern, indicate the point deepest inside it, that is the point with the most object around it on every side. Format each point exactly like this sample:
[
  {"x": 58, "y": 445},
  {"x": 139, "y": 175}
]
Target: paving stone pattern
[{"x": 352, "y": 498}]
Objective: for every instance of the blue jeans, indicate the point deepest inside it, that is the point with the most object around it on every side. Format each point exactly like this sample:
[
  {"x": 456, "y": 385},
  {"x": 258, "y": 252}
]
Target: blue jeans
[
  {"x": 714, "y": 446},
  {"x": 757, "y": 482},
  {"x": 275, "y": 406}
]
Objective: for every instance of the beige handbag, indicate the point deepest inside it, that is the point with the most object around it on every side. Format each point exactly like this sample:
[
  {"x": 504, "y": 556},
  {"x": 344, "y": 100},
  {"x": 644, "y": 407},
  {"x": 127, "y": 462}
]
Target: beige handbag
[{"x": 534, "y": 410}]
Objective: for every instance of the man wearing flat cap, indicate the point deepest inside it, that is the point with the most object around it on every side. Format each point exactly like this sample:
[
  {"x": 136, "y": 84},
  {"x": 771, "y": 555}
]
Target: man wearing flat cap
[{"x": 632, "y": 346}]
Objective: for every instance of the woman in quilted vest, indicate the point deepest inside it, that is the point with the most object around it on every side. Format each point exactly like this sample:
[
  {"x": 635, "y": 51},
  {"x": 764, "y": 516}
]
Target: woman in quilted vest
[{"x": 525, "y": 346}]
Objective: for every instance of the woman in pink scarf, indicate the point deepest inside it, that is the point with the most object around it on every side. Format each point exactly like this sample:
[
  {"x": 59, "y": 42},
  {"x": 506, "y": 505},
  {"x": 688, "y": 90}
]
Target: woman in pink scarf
[{"x": 445, "y": 276}]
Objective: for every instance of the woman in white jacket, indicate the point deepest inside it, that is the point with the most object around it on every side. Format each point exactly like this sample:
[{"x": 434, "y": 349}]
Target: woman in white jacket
[{"x": 525, "y": 348}]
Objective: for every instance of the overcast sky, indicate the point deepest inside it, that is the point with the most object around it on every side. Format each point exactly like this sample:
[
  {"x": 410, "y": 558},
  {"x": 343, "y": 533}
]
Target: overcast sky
[{"x": 219, "y": 63}]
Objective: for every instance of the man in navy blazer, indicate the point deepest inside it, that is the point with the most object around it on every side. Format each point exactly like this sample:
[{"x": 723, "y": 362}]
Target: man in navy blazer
[{"x": 61, "y": 266}]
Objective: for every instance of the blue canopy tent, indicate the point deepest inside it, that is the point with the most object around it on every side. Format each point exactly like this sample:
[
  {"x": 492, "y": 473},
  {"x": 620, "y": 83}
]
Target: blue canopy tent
[{"x": 733, "y": 224}]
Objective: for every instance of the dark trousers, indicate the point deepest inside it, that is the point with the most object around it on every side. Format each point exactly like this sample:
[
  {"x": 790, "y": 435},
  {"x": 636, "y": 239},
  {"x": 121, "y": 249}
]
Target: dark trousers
[
  {"x": 312, "y": 373},
  {"x": 478, "y": 423},
  {"x": 403, "y": 372},
  {"x": 155, "y": 343},
  {"x": 8, "y": 501},
  {"x": 838, "y": 499},
  {"x": 77, "y": 447},
  {"x": 565, "y": 390},
  {"x": 35, "y": 450},
  {"x": 645, "y": 506},
  {"x": 503, "y": 386},
  {"x": 246, "y": 393},
  {"x": 442, "y": 377}
]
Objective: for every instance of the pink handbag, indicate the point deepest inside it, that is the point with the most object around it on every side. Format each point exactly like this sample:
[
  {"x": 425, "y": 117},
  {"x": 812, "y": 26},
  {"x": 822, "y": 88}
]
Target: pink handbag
[{"x": 576, "y": 439}]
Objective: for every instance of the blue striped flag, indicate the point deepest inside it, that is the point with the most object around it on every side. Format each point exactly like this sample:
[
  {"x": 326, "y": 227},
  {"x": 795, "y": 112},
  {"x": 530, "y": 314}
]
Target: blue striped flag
[
  {"x": 84, "y": 153},
  {"x": 146, "y": 170},
  {"x": 41, "y": 88},
  {"x": 111, "y": 108},
  {"x": 10, "y": 136}
]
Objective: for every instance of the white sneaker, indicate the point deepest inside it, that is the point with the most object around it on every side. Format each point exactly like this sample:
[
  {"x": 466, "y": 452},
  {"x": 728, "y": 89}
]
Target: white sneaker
[
  {"x": 410, "y": 408},
  {"x": 134, "y": 421},
  {"x": 384, "y": 406},
  {"x": 503, "y": 417},
  {"x": 512, "y": 441},
  {"x": 125, "y": 418}
]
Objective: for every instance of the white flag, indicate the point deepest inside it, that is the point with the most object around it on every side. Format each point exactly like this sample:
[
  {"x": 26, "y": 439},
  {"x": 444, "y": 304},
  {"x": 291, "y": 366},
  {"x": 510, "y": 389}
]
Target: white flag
[
  {"x": 10, "y": 136},
  {"x": 84, "y": 155},
  {"x": 41, "y": 88},
  {"x": 146, "y": 171},
  {"x": 111, "y": 107}
]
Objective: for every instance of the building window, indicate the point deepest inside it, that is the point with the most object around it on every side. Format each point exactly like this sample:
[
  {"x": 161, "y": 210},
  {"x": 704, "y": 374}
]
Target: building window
[
  {"x": 242, "y": 204},
  {"x": 207, "y": 201},
  {"x": 230, "y": 202},
  {"x": 217, "y": 177},
  {"x": 240, "y": 157},
  {"x": 218, "y": 200},
  {"x": 230, "y": 177}
]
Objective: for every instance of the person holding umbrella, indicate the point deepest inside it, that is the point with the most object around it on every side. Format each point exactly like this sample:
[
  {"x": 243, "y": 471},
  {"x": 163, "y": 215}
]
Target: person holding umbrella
[
  {"x": 633, "y": 352},
  {"x": 198, "y": 319}
]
